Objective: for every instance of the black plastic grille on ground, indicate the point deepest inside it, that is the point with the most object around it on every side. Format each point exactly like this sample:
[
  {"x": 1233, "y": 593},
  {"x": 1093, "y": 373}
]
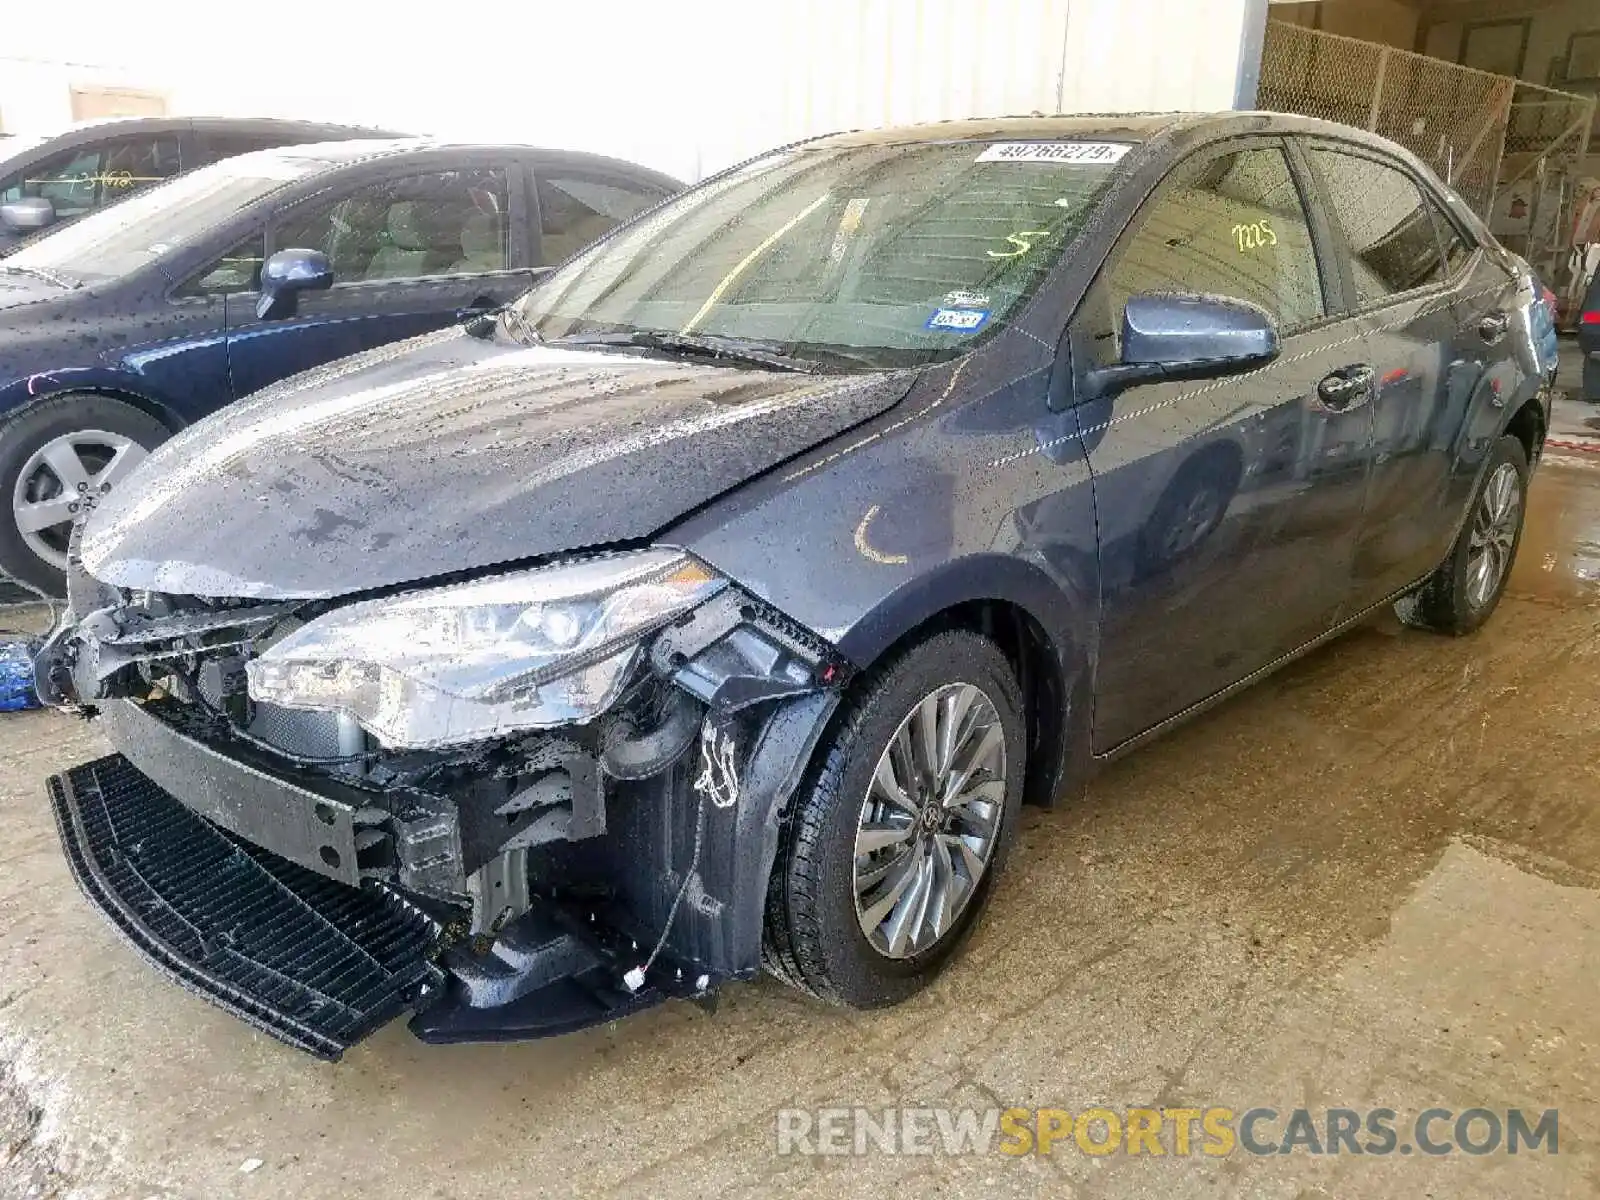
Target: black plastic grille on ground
[{"x": 312, "y": 962}]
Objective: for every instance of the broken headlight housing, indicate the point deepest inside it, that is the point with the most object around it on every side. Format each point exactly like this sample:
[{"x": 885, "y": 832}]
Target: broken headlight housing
[{"x": 476, "y": 660}]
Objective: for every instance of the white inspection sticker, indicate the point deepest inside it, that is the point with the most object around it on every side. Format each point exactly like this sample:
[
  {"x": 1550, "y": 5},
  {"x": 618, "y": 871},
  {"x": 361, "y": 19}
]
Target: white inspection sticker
[{"x": 1063, "y": 152}]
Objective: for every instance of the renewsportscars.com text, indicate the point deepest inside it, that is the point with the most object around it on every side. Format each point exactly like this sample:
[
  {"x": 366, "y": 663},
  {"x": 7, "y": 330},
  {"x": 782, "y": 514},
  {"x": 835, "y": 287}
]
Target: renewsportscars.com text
[{"x": 1213, "y": 1132}]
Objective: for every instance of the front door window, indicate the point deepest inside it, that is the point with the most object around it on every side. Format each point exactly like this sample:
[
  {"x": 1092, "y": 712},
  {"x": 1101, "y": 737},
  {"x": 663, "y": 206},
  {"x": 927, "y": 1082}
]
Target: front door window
[{"x": 439, "y": 223}]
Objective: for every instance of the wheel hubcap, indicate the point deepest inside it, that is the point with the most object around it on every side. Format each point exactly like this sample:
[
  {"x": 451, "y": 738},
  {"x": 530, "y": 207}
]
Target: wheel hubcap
[
  {"x": 63, "y": 480},
  {"x": 1495, "y": 522},
  {"x": 930, "y": 820}
]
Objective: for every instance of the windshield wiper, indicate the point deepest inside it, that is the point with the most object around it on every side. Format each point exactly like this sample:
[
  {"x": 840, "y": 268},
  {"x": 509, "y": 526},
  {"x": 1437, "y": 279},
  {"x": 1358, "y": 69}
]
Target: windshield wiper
[
  {"x": 61, "y": 281},
  {"x": 743, "y": 350}
]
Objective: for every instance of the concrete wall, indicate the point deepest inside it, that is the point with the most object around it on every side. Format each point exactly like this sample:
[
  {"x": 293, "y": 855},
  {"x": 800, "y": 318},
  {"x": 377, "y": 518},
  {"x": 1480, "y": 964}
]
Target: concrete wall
[
  {"x": 37, "y": 94},
  {"x": 1550, "y": 27},
  {"x": 688, "y": 87}
]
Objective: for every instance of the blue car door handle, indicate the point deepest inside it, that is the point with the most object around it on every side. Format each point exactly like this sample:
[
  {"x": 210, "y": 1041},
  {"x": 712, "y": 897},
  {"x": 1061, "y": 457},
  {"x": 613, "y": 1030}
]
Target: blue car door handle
[{"x": 1345, "y": 389}]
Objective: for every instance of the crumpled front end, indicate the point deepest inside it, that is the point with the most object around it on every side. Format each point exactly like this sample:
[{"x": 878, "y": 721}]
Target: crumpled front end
[{"x": 295, "y": 869}]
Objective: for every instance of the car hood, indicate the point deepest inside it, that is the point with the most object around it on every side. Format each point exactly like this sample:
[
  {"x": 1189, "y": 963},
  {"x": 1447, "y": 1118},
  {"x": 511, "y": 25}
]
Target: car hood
[
  {"x": 450, "y": 453},
  {"x": 18, "y": 290}
]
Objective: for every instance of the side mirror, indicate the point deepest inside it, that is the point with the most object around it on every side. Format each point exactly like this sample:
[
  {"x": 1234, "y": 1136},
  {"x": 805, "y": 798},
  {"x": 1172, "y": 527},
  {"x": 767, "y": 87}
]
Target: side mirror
[
  {"x": 285, "y": 275},
  {"x": 1173, "y": 336},
  {"x": 28, "y": 214}
]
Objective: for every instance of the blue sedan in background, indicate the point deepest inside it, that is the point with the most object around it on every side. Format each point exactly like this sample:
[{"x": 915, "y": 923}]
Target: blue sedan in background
[{"x": 139, "y": 320}]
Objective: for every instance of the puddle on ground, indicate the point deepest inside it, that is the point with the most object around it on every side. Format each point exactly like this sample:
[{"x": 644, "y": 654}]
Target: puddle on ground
[{"x": 1559, "y": 558}]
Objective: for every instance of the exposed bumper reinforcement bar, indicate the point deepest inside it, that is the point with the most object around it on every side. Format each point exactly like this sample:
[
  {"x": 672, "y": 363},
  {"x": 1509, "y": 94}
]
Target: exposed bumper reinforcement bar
[
  {"x": 316, "y": 830},
  {"x": 311, "y": 962}
]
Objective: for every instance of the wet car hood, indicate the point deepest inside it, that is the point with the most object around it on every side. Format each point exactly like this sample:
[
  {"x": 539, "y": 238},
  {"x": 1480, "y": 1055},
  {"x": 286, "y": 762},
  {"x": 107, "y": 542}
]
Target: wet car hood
[
  {"x": 450, "y": 453},
  {"x": 18, "y": 289}
]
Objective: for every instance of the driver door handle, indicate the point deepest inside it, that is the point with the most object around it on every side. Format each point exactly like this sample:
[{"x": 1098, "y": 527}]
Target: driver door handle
[
  {"x": 1345, "y": 389},
  {"x": 1494, "y": 327}
]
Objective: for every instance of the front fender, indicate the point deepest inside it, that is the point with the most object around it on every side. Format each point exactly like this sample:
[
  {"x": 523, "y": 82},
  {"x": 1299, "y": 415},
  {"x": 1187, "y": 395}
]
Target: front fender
[
  {"x": 978, "y": 577},
  {"x": 948, "y": 500},
  {"x": 27, "y": 390}
]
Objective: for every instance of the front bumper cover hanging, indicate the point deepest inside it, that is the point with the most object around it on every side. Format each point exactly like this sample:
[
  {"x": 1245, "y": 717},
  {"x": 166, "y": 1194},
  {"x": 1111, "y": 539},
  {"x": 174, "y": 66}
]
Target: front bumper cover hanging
[{"x": 310, "y": 961}]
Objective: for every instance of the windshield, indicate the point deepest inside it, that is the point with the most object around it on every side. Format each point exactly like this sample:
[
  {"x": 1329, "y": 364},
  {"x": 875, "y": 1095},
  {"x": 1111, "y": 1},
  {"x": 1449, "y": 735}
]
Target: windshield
[
  {"x": 869, "y": 256},
  {"x": 150, "y": 224}
]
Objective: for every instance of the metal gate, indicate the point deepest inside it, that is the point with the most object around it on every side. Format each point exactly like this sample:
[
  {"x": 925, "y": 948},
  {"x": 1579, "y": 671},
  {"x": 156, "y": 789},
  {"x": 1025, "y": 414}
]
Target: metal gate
[{"x": 1482, "y": 133}]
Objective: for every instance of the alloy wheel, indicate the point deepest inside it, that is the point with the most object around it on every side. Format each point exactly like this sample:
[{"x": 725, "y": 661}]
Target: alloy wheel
[
  {"x": 62, "y": 480},
  {"x": 930, "y": 820},
  {"x": 1495, "y": 522}
]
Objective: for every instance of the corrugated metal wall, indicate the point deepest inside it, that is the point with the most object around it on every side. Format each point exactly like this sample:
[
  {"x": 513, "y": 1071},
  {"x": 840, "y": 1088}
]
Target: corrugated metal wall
[
  {"x": 1127, "y": 55},
  {"x": 688, "y": 86},
  {"x": 842, "y": 64}
]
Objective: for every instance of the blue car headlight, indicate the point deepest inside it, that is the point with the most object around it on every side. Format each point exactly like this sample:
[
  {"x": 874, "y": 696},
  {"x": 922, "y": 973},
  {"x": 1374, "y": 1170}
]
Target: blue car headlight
[{"x": 476, "y": 660}]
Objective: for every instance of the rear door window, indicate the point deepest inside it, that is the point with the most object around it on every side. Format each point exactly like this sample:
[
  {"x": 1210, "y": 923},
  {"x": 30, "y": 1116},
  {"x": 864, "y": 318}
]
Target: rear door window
[
  {"x": 1394, "y": 246},
  {"x": 214, "y": 147},
  {"x": 1454, "y": 245},
  {"x": 575, "y": 209}
]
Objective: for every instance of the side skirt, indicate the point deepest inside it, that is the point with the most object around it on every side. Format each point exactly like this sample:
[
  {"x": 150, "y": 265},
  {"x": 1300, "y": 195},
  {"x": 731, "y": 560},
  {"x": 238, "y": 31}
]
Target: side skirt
[{"x": 1211, "y": 701}]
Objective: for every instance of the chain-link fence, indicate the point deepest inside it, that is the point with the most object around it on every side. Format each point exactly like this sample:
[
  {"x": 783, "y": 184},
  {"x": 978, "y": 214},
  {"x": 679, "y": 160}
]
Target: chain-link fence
[
  {"x": 1547, "y": 137},
  {"x": 1482, "y": 133}
]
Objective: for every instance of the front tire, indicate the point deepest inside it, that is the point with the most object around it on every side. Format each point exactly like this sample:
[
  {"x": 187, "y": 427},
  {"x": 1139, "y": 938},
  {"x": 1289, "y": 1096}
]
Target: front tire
[
  {"x": 1465, "y": 589},
  {"x": 895, "y": 840},
  {"x": 58, "y": 458}
]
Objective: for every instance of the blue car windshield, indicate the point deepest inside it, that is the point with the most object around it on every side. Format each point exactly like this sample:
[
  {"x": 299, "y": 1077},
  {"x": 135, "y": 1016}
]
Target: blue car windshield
[
  {"x": 152, "y": 223},
  {"x": 864, "y": 256}
]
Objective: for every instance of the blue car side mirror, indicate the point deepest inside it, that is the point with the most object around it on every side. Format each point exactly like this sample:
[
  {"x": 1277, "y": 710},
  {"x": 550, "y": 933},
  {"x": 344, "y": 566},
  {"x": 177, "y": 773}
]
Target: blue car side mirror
[
  {"x": 285, "y": 275},
  {"x": 1175, "y": 336}
]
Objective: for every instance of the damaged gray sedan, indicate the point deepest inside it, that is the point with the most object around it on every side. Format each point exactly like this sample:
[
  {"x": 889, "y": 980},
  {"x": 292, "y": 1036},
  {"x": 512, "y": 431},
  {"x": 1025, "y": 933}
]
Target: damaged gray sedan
[{"x": 716, "y": 605}]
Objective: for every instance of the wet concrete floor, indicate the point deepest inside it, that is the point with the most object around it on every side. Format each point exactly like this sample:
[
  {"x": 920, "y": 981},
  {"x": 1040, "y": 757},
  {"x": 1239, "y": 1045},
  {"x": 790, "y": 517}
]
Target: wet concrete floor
[{"x": 1373, "y": 881}]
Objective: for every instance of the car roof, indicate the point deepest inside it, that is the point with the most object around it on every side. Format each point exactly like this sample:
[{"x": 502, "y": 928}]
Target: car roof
[
  {"x": 93, "y": 125},
  {"x": 346, "y": 150},
  {"x": 1119, "y": 126},
  {"x": 116, "y": 124},
  {"x": 310, "y": 157},
  {"x": 1158, "y": 135},
  {"x": 32, "y": 146},
  {"x": 1132, "y": 127}
]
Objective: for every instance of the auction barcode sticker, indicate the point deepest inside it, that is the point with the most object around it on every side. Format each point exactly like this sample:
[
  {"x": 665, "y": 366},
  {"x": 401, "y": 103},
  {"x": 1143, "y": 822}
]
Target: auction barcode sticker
[{"x": 1066, "y": 152}]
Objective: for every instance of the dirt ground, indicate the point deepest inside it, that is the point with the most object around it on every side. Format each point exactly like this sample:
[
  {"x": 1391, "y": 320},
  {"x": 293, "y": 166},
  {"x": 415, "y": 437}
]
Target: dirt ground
[{"x": 1373, "y": 880}]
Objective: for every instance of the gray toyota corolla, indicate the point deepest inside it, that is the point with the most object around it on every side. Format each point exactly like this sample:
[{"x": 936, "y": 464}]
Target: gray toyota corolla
[{"x": 716, "y": 605}]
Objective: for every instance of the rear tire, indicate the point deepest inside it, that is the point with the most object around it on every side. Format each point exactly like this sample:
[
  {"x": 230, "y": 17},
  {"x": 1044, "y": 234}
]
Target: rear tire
[
  {"x": 1461, "y": 594},
  {"x": 823, "y": 895},
  {"x": 28, "y": 482}
]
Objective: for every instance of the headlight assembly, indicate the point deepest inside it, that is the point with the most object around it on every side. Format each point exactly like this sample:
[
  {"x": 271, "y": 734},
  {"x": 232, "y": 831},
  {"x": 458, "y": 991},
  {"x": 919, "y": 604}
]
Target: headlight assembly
[{"x": 474, "y": 660}]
